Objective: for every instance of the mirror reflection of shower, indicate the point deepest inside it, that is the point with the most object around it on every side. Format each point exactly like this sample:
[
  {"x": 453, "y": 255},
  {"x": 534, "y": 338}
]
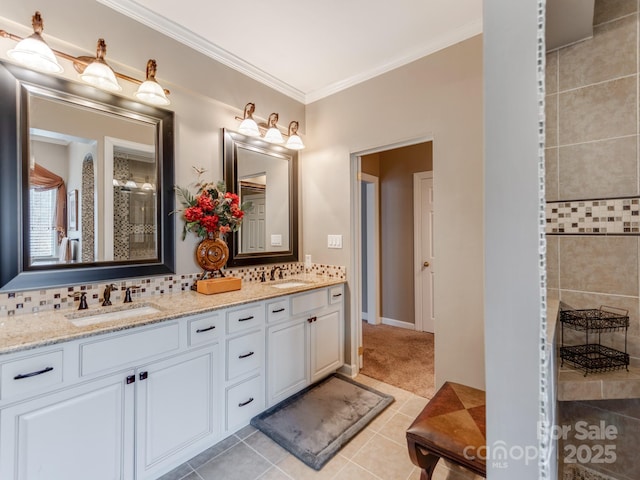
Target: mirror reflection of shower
[
  {"x": 253, "y": 234},
  {"x": 134, "y": 203}
]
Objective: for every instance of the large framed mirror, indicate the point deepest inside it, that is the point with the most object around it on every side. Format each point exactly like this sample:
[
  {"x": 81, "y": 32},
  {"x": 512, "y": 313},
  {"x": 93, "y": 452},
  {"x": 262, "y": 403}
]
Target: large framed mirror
[
  {"x": 86, "y": 185},
  {"x": 267, "y": 176}
]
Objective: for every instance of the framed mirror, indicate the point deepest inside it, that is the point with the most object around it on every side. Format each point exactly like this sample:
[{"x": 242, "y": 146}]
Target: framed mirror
[
  {"x": 266, "y": 175},
  {"x": 87, "y": 184}
]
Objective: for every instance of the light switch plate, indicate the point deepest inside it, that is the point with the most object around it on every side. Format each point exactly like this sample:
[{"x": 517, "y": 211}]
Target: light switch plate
[
  {"x": 334, "y": 241},
  {"x": 276, "y": 240}
]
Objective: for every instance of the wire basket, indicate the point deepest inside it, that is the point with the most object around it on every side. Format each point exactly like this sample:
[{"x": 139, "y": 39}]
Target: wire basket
[
  {"x": 596, "y": 320},
  {"x": 594, "y": 358}
]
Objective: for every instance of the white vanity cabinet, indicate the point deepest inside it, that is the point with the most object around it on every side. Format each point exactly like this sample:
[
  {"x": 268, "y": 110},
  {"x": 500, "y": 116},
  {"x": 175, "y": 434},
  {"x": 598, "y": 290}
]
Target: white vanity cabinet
[
  {"x": 307, "y": 344},
  {"x": 74, "y": 433},
  {"x": 134, "y": 404},
  {"x": 131, "y": 404}
]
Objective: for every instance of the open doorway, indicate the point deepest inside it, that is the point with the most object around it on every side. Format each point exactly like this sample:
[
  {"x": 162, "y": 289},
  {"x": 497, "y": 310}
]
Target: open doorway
[{"x": 395, "y": 348}]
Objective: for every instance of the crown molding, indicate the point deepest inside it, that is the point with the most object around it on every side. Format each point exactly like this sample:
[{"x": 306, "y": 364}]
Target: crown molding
[
  {"x": 157, "y": 22},
  {"x": 450, "y": 38}
]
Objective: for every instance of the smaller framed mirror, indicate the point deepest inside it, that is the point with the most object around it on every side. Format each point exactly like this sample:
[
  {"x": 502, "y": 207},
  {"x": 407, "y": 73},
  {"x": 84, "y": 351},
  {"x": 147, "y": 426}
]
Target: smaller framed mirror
[{"x": 267, "y": 176}]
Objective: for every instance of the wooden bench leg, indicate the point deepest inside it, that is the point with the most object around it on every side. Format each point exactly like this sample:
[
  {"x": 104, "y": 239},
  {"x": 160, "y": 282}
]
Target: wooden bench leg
[{"x": 425, "y": 460}]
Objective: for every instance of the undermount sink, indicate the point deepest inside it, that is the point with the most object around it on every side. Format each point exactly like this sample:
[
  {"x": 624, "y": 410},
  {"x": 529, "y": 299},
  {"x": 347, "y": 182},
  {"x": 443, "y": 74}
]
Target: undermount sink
[
  {"x": 291, "y": 284},
  {"x": 83, "y": 319}
]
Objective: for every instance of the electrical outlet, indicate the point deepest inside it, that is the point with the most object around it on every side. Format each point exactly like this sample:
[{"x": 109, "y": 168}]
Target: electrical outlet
[{"x": 334, "y": 241}]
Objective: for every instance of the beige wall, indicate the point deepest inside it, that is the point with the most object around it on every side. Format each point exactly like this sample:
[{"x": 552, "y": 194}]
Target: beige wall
[
  {"x": 396, "y": 219},
  {"x": 438, "y": 97}
]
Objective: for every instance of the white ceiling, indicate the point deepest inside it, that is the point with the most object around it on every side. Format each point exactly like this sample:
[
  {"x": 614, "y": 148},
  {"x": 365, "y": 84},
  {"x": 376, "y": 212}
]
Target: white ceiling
[{"x": 309, "y": 50}]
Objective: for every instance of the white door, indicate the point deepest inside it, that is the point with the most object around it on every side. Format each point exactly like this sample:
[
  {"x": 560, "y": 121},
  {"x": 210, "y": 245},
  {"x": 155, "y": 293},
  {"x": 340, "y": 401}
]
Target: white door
[
  {"x": 286, "y": 359},
  {"x": 84, "y": 432},
  {"x": 423, "y": 250},
  {"x": 175, "y": 407},
  {"x": 253, "y": 231},
  {"x": 326, "y": 344}
]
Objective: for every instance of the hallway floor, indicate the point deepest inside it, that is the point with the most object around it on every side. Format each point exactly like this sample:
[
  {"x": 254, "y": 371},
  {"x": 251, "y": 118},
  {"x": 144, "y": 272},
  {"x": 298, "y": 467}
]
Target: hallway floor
[{"x": 378, "y": 452}]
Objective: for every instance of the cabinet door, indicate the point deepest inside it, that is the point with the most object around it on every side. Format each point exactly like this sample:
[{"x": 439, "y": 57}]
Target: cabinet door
[
  {"x": 287, "y": 359},
  {"x": 176, "y": 406},
  {"x": 326, "y": 344},
  {"x": 80, "y": 433}
]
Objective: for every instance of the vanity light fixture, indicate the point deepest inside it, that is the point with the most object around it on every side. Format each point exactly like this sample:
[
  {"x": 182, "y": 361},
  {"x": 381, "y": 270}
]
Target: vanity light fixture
[
  {"x": 248, "y": 126},
  {"x": 98, "y": 73},
  {"x": 32, "y": 52},
  {"x": 150, "y": 90},
  {"x": 294, "y": 142},
  {"x": 272, "y": 133}
]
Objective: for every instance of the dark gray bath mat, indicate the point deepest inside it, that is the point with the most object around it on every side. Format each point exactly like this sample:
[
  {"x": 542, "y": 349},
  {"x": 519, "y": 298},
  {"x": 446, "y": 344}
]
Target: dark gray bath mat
[{"x": 314, "y": 423}]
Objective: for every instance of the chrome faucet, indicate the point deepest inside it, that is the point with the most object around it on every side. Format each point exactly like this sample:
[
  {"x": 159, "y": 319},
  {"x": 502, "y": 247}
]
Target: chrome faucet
[
  {"x": 272, "y": 275},
  {"x": 107, "y": 294}
]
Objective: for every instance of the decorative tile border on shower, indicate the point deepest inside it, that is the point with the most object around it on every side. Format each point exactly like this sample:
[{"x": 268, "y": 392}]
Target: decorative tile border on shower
[
  {"x": 607, "y": 216},
  {"x": 580, "y": 472},
  {"x": 32, "y": 301}
]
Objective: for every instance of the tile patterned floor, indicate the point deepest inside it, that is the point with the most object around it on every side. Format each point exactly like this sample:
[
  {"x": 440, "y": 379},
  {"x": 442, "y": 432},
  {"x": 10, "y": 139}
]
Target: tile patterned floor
[{"x": 378, "y": 452}]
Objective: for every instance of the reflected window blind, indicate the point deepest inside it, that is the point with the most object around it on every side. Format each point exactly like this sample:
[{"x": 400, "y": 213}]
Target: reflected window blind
[{"x": 42, "y": 213}]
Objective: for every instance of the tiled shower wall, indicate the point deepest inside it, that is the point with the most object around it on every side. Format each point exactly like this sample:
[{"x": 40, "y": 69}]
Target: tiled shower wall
[
  {"x": 593, "y": 194},
  {"x": 592, "y": 168}
]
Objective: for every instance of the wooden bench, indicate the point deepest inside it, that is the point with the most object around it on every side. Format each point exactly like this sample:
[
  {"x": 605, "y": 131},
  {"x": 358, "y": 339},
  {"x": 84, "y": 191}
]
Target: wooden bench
[{"x": 451, "y": 426}]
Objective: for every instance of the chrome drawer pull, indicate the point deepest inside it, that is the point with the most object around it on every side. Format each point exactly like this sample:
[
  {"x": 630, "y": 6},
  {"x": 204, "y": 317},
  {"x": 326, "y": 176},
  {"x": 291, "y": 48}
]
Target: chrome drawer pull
[
  {"x": 32, "y": 374},
  {"x": 242, "y": 404},
  {"x": 277, "y": 311},
  {"x": 201, "y": 330},
  {"x": 245, "y": 319},
  {"x": 246, "y": 355}
]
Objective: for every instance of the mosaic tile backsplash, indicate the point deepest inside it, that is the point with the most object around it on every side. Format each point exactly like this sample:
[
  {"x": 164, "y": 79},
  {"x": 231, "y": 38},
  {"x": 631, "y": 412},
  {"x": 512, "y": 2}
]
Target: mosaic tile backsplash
[
  {"x": 32, "y": 301},
  {"x": 619, "y": 216}
]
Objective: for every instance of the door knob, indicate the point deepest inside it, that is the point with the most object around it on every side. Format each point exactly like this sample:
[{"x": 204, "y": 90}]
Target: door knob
[{"x": 426, "y": 264}]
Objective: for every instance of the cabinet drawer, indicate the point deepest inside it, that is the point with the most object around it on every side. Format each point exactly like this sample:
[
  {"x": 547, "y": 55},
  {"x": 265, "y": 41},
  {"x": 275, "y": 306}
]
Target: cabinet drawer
[
  {"x": 244, "y": 354},
  {"x": 125, "y": 350},
  {"x": 246, "y": 318},
  {"x": 244, "y": 401},
  {"x": 336, "y": 295},
  {"x": 308, "y": 301},
  {"x": 204, "y": 328},
  {"x": 277, "y": 311},
  {"x": 31, "y": 373}
]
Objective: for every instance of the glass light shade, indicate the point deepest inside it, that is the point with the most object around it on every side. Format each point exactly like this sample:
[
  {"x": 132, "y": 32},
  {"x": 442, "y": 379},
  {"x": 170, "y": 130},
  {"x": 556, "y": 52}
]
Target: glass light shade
[
  {"x": 150, "y": 91},
  {"x": 249, "y": 127},
  {"x": 295, "y": 143},
  {"x": 34, "y": 53},
  {"x": 148, "y": 186},
  {"x": 131, "y": 184},
  {"x": 273, "y": 135},
  {"x": 101, "y": 75}
]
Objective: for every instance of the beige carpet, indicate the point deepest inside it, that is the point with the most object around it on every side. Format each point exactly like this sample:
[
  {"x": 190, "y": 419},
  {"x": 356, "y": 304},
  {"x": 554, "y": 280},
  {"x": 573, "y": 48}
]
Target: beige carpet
[{"x": 400, "y": 357}]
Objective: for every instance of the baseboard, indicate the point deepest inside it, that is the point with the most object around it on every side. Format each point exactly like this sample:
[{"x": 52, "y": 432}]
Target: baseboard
[
  {"x": 398, "y": 323},
  {"x": 348, "y": 370},
  {"x": 365, "y": 316}
]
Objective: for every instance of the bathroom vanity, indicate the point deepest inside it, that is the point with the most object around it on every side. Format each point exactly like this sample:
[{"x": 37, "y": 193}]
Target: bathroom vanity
[{"x": 135, "y": 397}]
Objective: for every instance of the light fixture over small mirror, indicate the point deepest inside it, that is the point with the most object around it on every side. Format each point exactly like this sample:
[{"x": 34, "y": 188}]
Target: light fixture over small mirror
[{"x": 272, "y": 133}]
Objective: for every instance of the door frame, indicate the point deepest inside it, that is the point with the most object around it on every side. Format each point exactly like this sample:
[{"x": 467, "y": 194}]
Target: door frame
[
  {"x": 355, "y": 266},
  {"x": 417, "y": 248},
  {"x": 373, "y": 247}
]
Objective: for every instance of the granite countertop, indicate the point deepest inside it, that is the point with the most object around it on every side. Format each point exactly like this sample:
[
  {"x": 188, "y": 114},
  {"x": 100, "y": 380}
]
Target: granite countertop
[
  {"x": 21, "y": 332},
  {"x": 574, "y": 385}
]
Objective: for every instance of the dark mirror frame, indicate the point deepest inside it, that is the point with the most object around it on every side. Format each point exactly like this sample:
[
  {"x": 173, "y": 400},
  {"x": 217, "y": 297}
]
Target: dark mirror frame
[
  {"x": 15, "y": 274},
  {"x": 233, "y": 140}
]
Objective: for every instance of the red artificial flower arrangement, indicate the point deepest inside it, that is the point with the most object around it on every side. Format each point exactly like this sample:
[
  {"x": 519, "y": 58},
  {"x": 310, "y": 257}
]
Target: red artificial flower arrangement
[{"x": 212, "y": 209}]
